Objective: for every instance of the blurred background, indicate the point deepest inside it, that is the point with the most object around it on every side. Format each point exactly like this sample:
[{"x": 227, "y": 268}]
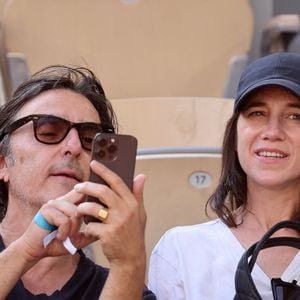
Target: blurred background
[
  {"x": 138, "y": 48},
  {"x": 170, "y": 68},
  {"x": 146, "y": 48}
]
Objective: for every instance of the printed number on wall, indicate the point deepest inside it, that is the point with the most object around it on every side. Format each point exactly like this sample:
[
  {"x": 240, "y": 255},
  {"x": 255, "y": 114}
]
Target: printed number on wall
[{"x": 200, "y": 180}]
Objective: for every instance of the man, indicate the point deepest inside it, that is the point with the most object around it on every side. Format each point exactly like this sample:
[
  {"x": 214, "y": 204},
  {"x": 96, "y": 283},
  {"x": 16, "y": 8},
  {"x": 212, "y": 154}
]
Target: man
[{"x": 46, "y": 131}]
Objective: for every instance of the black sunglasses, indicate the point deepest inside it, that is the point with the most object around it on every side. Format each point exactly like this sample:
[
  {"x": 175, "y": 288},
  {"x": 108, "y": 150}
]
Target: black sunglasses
[{"x": 50, "y": 129}]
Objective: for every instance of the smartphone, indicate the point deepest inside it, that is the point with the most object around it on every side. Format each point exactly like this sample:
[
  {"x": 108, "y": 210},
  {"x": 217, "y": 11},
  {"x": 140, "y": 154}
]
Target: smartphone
[{"x": 118, "y": 153}]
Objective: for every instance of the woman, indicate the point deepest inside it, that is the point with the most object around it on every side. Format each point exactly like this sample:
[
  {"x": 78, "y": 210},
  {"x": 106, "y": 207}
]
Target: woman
[{"x": 259, "y": 187}]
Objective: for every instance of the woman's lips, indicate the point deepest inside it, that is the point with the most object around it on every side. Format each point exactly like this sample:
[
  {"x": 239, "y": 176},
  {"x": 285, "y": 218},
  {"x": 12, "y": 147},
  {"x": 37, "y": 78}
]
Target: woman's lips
[{"x": 273, "y": 154}]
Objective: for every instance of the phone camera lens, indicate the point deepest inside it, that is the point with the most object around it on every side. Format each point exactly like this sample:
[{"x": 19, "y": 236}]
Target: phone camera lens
[
  {"x": 102, "y": 142},
  {"x": 112, "y": 148},
  {"x": 101, "y": 153}
]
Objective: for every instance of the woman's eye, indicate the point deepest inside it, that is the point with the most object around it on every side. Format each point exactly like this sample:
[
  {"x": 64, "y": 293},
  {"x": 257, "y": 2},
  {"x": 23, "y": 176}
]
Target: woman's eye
[
  {"x": 256, "y": 113},
  {"x": 294, "y": 116}
]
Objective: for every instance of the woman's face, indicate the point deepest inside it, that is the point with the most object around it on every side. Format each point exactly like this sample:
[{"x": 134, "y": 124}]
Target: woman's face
[{"x": 268, "y": 138}]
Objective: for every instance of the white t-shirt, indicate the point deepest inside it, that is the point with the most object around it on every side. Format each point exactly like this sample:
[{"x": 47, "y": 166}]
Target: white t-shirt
[{"x": 198, "y": 262}]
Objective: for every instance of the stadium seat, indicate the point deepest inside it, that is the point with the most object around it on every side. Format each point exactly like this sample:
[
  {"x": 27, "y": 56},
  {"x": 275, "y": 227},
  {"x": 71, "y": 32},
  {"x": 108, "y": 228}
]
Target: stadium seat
[
  {"x": 13, "y": 69},
  {"x": 275, "y": 29},
  {"x": 174, "y": 121},
  {"x": 146, "y": 48},
  {"x": 179, "y": 182}
]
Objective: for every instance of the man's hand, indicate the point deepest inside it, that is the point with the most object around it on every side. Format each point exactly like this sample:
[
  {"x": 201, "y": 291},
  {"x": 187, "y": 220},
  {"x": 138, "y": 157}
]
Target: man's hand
[
  {"x": 60, "y": 212},
  {"x": 121, "y": 234}
]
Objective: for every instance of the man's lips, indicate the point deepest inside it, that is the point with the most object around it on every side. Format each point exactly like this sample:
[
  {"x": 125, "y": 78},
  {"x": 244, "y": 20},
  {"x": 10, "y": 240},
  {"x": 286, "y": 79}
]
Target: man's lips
[{"x": 68, "y": 174}]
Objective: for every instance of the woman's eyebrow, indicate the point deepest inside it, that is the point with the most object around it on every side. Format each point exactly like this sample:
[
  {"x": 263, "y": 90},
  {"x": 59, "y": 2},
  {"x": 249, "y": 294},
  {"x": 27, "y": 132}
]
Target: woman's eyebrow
[
  {"x": 254, "y": 103},
  {"x": 294, "y": 104},
  {"x": 258, "y": 103}
]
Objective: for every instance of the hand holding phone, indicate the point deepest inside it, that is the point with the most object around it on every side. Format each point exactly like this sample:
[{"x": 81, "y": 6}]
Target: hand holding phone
[{"x": 118, "y": 153}]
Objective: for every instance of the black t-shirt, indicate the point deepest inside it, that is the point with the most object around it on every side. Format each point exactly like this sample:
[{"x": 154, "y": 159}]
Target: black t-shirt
[{"x": 85, "y": 284}]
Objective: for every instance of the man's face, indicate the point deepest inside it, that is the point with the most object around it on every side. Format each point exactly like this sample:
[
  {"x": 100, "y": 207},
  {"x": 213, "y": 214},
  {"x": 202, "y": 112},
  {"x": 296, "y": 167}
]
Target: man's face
[{"x": 38, "y": 172}]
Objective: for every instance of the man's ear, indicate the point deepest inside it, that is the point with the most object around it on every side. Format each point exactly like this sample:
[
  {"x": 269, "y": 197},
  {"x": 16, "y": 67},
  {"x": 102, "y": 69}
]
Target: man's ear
[{"x": 3, "y": 169}]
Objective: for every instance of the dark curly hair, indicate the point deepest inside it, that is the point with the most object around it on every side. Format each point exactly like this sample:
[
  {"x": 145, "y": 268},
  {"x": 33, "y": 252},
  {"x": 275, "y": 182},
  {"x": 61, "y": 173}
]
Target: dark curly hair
[{"x": 78, "y": 79}]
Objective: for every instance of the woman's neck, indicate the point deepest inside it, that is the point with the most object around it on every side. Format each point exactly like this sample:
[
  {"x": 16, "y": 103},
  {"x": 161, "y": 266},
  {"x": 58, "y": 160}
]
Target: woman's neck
[{"x": 270, "y": 206}]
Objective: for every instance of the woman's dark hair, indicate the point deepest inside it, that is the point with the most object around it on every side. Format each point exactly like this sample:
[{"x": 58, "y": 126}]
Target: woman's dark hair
[
  {"x": 77, "y": 79},
  {"x": 231, "y": 192}
]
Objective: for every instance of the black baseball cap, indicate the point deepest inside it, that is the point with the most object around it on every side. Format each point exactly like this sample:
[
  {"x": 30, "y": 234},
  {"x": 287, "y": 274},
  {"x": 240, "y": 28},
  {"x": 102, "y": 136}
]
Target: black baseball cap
[{"x": 281, "y": 69}]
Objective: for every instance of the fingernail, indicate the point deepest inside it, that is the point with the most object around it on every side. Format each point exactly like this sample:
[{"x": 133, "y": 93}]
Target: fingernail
[{"x": 78, "y": 186}]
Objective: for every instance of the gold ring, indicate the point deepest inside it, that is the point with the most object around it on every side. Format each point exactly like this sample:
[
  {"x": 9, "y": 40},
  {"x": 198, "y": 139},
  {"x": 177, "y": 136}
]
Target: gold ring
[{"x": 102, "y": 214}]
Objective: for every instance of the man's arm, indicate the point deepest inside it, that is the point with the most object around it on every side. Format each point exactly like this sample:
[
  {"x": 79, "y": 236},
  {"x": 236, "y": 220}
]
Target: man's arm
[
  {"x": 23, "y": 253},
  {"x": 124, "y": 283},
  {"x": 121, "y": 235},
  {"x": 13, "y": 264}
]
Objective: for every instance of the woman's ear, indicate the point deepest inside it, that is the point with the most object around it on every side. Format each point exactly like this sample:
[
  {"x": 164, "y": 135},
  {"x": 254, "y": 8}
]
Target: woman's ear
[{"x": 3, "y": 169}]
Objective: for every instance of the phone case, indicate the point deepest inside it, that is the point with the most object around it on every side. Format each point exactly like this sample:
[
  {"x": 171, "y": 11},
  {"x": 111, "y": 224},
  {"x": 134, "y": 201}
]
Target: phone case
[{"x": 118, "y": 153}]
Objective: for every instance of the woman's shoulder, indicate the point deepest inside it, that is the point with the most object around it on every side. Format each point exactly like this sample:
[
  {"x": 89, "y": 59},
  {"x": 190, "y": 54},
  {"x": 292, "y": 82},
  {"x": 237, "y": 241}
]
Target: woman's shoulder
[
  {"x": 202, "y": 229},
  {"x": 194, "y": 245},
  {"x": 204, "y": 234}
]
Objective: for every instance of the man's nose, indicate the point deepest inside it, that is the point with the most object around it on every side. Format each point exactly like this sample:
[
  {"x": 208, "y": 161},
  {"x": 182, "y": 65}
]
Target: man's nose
[{"x": 72, "y": 143}]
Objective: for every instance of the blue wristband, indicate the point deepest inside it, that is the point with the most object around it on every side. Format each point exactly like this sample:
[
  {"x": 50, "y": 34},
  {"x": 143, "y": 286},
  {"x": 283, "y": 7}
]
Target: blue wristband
[{"x": 42, "y": 222}]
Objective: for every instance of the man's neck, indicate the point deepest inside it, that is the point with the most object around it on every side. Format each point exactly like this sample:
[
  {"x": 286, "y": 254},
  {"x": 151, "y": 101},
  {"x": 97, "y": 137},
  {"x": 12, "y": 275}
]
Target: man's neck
[
  {"x": 12, "y": 227},
  {"x": 17, "y": 219}
]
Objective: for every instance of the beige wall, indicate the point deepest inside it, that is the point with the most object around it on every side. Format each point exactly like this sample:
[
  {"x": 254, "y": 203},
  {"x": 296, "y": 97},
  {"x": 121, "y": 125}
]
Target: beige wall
[{"x": 150, "y": 48}]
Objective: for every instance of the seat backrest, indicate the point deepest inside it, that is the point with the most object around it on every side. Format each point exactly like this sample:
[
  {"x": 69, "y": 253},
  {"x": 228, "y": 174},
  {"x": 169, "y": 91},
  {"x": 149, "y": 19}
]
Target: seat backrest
[
  {"x": 13, "y": 69},
  {"x": 143, "y": 48},
  {"x": 177, "y": 188},
  {"x": 263, "y": 12},
  {"x": 237, "y": 64},
  {"x": 275, "y": 29},
  {"x": 280, "y": 33},
  {"x": 5, "y": 86},
  {"x": 174, "y": 121}
]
